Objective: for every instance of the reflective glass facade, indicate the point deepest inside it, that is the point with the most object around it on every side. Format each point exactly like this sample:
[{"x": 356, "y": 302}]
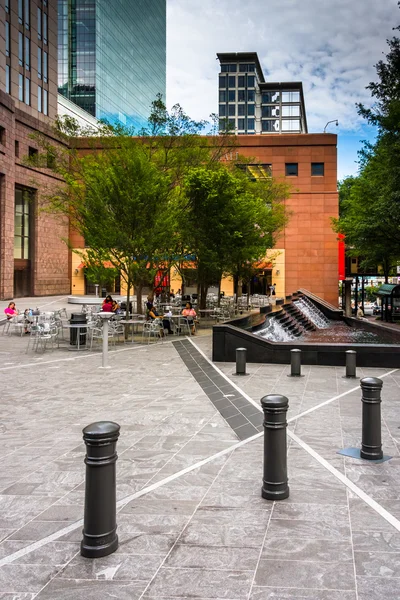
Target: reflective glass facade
[{"x": 112, "y": 56}]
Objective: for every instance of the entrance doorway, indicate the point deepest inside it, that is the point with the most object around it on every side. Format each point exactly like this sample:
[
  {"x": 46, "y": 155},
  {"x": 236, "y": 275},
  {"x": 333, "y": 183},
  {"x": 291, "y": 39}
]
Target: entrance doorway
[{"x": 23, "y": 236}]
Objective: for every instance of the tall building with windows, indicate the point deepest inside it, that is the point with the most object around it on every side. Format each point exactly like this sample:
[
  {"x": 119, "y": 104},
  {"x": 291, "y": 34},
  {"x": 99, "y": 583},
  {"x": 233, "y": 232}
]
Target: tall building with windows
[
  {"x": 33, "y": 258},
  {"x": 248, "y": 104},
  {"x": 112, "y": 56}
]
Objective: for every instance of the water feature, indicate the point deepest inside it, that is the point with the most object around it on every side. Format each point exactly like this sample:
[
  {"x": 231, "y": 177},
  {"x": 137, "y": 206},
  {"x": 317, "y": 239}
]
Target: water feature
[
  {"x": 275, "y": 331},
  {"x": 312, "y": 312}
]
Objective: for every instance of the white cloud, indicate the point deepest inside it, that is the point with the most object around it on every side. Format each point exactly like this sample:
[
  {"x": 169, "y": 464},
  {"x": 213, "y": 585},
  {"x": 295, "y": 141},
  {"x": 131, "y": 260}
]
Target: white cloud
[{"x": 329, "y": 45}]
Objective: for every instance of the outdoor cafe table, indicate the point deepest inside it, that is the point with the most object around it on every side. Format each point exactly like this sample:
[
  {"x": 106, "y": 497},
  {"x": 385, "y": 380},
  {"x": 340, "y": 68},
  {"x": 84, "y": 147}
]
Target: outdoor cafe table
[
  {"x": 132, "y": 322},
  {"x": 206, "y": 311}
]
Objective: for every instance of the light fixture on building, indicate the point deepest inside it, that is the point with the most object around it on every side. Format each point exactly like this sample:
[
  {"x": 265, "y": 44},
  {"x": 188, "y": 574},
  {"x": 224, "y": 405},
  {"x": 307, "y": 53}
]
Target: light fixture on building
[
  {"x": 334, "y": 121},
  {"x": 76, "y": 271},
  {"x": 277, "y": 272}
]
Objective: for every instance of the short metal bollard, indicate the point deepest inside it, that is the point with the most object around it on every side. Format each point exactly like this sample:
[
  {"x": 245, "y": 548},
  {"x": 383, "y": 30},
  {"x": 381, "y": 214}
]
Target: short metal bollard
[
  {"x": 351, "y": 362},
  {"x": 241, "y": 361},
  {"x": 100, "y": 526},
  {"x": 371, "y": 443},
  {"x": 295, "y": 363},
  {"x": 275, "y": 480}
]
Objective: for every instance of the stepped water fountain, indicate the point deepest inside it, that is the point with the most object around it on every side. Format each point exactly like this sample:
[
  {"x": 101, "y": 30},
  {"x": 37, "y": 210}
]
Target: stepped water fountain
[{"x": 312, "y": 325}]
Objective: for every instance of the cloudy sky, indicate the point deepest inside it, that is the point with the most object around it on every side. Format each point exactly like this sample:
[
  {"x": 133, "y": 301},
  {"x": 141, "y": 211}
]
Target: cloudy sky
[{"x": 329, "y": 45}]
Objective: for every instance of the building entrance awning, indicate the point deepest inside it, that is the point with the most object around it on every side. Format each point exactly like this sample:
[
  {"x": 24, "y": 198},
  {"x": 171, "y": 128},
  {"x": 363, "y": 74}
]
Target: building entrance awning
[{"x": 389, "y": 289}]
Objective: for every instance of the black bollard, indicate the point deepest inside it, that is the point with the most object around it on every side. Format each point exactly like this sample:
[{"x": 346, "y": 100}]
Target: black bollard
[
  {"x": 295, "y": 363},
  {"x": 241, "y": 361},
  {"x": 275, "y": 480},
  {"x": 371, "y": 443},
  {"x": 351, "y": 358},
  {"x": 100, "y": 526}
]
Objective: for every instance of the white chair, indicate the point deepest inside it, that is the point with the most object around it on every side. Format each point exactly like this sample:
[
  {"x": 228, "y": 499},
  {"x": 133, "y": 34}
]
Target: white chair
[
  {"x": 96, "y": 333},
  {"x": 153, "y": 329},
  {"x": 17, "y": 325}
]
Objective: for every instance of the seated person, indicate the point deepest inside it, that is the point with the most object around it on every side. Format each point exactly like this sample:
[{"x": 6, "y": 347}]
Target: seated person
[
  {"x": 107, "y": 305},
  {"x": 190, "y": 314},
  {"x": 152, "y": 314},
  {"x": 11, "y": 311},
  {"x": 116, "y": 307}
]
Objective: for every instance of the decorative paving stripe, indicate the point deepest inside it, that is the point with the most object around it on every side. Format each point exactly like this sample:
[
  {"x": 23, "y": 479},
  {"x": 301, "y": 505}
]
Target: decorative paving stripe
[{"x": 240, "y": 412}]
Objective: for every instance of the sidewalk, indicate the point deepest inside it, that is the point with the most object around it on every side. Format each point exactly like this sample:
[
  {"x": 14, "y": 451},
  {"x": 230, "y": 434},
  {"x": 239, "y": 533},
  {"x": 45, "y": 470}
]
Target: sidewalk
[{"x": 203, "y": 532}]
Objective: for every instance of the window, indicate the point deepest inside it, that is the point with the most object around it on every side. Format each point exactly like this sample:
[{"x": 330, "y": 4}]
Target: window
[
  {"x": 231, "y": 123},
  {"x": 27, "y": 91},
  {"x": 20, "y": 87},
  {"x": 245, "y": 68},
  {"x": 222, "y": 81},
  {"x": 27, "y": 53},
  {"x": 250, "y": 110},
  {"x": 241, "y": 81},
  {"x": 39, "y": 23},
  {"x": 231, "y": 81},
  {"x": 222, "y": 96},
  {"x": 250, "y": 123},
  {"x": 232, "y": 110},
  {"x": 250, "y": 81},
  {"x": 20, "y": 11},
  {"x": 20, "y": 48},
  {"x": 32, "y": 152},
  {"x": 23, "y": 200},
  {"x": 222, "y": 125},
  {"x": 241, "y": 95},
  {"x": 45, "y": 103},
  {"x": 266, "y": 111},
  {"x": 222, "y": 110},
  {"x": 241, "y": 112},
  {"x": 7, "y": 6},
  {"x": 27, "y": 14},
  {"x": 232, "y": 68},
  {"x": 7, "y": 38},
  {"x": 16, "y": 145},
  {"x": 317, "y": 169},
  {"x": 251, "y": 96},
  {"x": 291, "y": 111},
  {"x": 231, "y": 96},
  {"x": 2, "y": 135},
  {"x": 45, "y": 28},
  {"x": 270, "y": 126},
  {"x": 291, "y": 125},
  {"x": 39, "y": 63},
  {"x": 241, "y": 125},
  {"x": 270, "y": 97},
  {"x": 39, "y": 99},
  {"x": 291, "y": 169},
  {"x": 290, "y": 96},
  {"x": 8, "y": 79},
  {"x": 45, "y": 67}
]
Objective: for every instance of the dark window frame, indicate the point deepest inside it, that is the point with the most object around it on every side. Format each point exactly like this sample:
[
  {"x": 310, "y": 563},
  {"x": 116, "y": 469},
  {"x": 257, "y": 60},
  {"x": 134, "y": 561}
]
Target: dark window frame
[
  {"x": 291, "y": 169},
  {"x": 317, "y": 166}
]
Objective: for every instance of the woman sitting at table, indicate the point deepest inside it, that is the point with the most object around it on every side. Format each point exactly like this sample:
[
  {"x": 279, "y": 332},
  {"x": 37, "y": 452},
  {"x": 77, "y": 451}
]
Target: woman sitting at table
[
  {"x": 116, "y": 309},
  {"x": 190, "y": 315},
  {"x": 152, "y": 314},
  {"x": 107, "y": 305},
  {"x": 11, "y": 311}
]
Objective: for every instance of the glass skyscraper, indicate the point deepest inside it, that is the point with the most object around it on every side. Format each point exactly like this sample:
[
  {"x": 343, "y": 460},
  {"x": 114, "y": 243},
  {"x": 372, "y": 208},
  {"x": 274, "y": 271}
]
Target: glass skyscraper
[{"x": 112, "y": 56}]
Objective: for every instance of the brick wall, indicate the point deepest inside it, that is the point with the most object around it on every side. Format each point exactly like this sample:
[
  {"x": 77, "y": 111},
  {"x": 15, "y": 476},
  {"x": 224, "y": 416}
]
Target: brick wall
[{"x": 50, "y": 255}]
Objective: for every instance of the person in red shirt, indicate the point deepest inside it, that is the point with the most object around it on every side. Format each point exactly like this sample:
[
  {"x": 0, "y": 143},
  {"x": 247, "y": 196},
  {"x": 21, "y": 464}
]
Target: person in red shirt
[
  {"x": 11, "y": 311},
  {"x": 190, "y": 314},
  {"x": 107, "y": 305}
]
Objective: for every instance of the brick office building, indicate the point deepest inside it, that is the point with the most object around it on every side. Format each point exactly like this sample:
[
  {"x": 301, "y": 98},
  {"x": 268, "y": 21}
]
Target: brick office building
[
  {"x": 306, "y": 254},
  {"x": 33, "y": 260}
]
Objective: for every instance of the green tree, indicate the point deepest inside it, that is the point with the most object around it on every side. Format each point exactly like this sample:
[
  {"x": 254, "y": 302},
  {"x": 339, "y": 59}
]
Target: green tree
[{"x": 227, "y": 221}]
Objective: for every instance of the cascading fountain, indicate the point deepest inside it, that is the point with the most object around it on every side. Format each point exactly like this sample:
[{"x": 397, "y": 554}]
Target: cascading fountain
[
  {"x": 275, "y": 332},
  {"x": 313, "y": 313}
]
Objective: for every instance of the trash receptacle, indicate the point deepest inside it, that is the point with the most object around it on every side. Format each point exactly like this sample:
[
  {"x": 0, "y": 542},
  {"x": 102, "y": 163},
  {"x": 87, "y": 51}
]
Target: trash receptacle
[
  {"x": 77, "y": 319},
  {"x": 103, "y": 292}
]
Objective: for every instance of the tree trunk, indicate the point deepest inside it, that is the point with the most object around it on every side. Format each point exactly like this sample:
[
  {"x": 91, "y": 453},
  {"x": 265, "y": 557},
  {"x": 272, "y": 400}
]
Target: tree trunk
[
  {"x": 139, "y": 302},
  {"x": 203, "y": 295},
  {"x": 127, "y": 317},
  {"x": 219, "y": 293}
]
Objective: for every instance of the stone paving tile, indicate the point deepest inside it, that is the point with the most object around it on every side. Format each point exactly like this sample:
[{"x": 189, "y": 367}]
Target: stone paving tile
[
  {"x": 377, "y": 588},
  {"x": 208, "y": 557},
  {"x": 262, "y": 593},
  {"x": 201, "y": 583},
  {"x": 305, "y": 574},
  {"x": 54, "y": 553},
  {"x": 72, "y": 589},
  {"x": 22, "y": 578},
  {"x": 116, "y": 567},
  {"x": 377, "y": 564},
  {"x": 307, "y": 549}
]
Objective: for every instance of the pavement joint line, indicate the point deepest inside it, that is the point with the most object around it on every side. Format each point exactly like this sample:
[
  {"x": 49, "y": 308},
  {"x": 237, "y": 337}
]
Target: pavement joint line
[
  {"x": 295, "y": 417},
  {"x": 123, "y": 502},
  {"x": 347, "y": 482},
  {"x": 72, "y": 358},
  {"x": 312, "y": 409}
]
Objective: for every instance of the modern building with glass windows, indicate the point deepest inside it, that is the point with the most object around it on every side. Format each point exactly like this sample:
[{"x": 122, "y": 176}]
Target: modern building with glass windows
[
  {"x": 248, "y": 104},
  {"x": 112, "y": 56}
]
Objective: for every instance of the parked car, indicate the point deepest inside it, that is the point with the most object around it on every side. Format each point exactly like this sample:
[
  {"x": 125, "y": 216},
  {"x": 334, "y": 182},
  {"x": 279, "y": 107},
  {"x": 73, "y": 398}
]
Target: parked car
[{"x": 376, "y": 309}]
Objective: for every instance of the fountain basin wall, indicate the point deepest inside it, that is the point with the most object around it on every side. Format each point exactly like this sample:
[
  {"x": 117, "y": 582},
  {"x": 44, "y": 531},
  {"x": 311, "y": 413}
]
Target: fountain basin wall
[{"x": 238, "y": 334}]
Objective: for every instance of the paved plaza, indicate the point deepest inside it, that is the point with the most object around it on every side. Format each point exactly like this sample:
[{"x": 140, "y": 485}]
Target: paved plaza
[{"x": 191, "y": 521}]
